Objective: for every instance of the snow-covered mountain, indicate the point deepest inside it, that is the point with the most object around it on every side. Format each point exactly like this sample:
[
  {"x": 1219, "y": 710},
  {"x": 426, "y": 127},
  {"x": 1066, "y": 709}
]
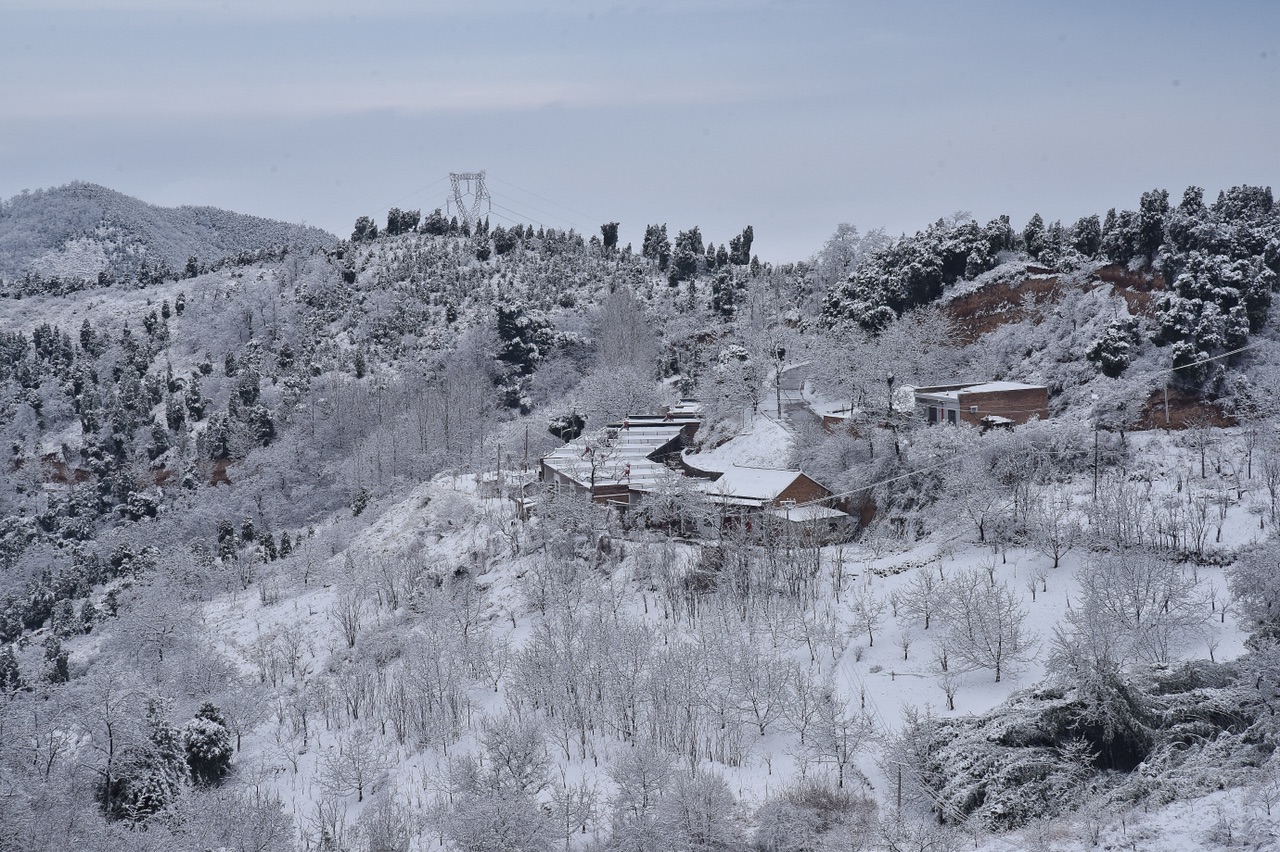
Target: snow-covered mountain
[{"x": 80, "y": 231}]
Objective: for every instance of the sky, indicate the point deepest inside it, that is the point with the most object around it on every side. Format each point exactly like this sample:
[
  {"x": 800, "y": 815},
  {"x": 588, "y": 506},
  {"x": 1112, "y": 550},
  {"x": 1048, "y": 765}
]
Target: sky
[{"x": 789, "y": 116}]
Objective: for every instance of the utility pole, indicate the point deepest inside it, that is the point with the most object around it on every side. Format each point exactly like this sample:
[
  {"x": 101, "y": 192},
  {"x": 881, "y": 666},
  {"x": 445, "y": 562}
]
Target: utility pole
[{"x": 1095, "y": 448}]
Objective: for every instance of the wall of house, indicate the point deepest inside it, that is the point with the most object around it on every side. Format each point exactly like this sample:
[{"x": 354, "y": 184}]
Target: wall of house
[
  {"x": 1018, "y": 405},
  {"x": 803, "y": 490}
]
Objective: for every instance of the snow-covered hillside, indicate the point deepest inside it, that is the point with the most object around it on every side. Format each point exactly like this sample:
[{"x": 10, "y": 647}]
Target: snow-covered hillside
[
  {"x": 277, "y": 572},
  {"x": 80, "y": 231}
]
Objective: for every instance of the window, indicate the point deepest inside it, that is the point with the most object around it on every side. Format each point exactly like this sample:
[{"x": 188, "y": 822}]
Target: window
[{"x": 951, "y": 416}]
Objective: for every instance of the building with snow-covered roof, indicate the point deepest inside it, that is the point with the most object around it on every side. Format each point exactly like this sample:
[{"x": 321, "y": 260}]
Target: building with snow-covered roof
[
  {"x": 625, "y": 460},
  {"x": 759, "y": 487},
  {"x": 812, "y": 524},
  {"x": 787, "y": 503},
  {"x": 983, "y": 404}
]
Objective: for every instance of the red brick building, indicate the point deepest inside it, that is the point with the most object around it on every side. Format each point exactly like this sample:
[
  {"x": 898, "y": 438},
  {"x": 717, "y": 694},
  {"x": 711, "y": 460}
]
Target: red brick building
[{"x": 983, "y": 404}]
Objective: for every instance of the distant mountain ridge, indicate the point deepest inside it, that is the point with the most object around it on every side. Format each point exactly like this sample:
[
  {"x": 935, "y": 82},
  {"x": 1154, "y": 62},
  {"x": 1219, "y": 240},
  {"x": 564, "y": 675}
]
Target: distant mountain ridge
[{"x": 82, "y": 231}]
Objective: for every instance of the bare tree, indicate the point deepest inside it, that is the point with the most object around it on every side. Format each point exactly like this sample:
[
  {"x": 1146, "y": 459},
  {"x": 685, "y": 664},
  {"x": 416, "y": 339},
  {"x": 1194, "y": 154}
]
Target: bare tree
[
  {"x": 641, "y": 773},
  {"x": 623, "y": 334},
  {"x": 574, "y": 807},
  {"x": 1054, "y": 528},
  {"x": 761, "y": 683},
  {"x": 986, "y": 624},
  {"x": 1143, "y": 594},
  {"x": 838, "y": 734},
  {"x": 919, "y": 600},
  {"x": 698, "y": 813},
  {"x": 1271, "y": 476},
  {"x": 867, "y": 611},
  {"x": 348, "y": 612},
  {"x": 354, "y": 764}
]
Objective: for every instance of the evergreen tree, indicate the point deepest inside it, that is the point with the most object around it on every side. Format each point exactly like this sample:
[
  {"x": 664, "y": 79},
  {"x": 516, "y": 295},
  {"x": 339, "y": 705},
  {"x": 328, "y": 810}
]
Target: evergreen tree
[
  {"x": 1120, "y": 235},
  {"x": 10, "y": 676},
  {"x": 1151, "y": 213},
  {"x": 56, "y": 669},
  {"x": 435, "y": 224},
  {"x": 206, "y": 741},
  {"x": 656, "y": 246},
  {"x": 740, "y": 247},
  {"x": 365, "y": 229},
  {"x": 504, "y": 240},
  {"x": 89, "y": 616},
  {"x": 1086, "y": 235},
  {"x": 151, "y": 773},
  {"x": 684, "y": 259},
  {"x": 609, "y": 233},
  {"x": 1033, "y": 236}
]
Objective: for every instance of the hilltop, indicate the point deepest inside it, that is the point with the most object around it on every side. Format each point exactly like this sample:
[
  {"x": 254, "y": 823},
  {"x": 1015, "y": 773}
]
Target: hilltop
[{"x": 84, "y": 234}]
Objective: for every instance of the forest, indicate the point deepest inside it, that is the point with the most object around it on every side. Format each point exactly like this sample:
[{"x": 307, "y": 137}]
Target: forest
[{"x": 270, "y": 578}]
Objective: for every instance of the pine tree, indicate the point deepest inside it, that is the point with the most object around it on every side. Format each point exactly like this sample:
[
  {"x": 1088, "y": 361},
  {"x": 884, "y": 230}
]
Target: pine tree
[
  {"x": 1033, "y": 236},
  {"x": 1151, "y": 214},
  {"x": 609, "y": 232},
  {"x": 10, "y": 676},
  {"x": 152, "y": 773},
  {"x": 207, "y": 743},
  {"x": 55, "y": 661},
  {"x": 365, "y": 229}
]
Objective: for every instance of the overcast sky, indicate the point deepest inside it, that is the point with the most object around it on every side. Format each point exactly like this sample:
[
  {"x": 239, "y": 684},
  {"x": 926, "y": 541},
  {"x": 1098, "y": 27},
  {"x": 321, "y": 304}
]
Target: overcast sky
[{"x": 789, "y": 116}]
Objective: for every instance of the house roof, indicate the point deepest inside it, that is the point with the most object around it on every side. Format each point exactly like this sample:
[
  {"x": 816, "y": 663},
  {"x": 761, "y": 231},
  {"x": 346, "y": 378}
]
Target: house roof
[
  {"x": 953, "y": 392},
  {"x": 750, "y": 486},
  {"x": 800, "y": 514},
  {"x": 624, "y": 458},
  {"x": 687, "y": 408}
]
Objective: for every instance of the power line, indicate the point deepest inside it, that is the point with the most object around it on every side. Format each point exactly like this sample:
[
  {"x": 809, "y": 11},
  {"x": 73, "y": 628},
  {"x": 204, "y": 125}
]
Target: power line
[
  {"x": 571, "y": 222},
  {"x": 528, "y": 219},
  {"x": 1208, "y": 359},
  {"x": 504, "y": 218},
  {"x": 906, "y": 475},
  {"x": 548, "y": 200},
  {"x": 412, "y": 194}
]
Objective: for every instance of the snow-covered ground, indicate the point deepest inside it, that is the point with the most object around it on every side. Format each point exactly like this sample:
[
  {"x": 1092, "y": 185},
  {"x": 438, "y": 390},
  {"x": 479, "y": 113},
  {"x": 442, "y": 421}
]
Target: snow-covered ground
[
  {"x": 886, "y": 670},
  {"x": 764, "y": 442}
]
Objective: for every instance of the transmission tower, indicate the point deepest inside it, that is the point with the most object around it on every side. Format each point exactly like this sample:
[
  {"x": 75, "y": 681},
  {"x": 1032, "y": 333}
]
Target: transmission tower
[{"x": 468, "y": 213}]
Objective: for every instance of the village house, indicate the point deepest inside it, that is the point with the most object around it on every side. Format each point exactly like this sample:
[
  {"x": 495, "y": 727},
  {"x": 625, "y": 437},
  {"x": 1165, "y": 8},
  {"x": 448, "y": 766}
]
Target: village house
[
  {"x": 628, "y": 459},
  {"x": 789, "y": 501},
  {"x": 983, "y": 404}
]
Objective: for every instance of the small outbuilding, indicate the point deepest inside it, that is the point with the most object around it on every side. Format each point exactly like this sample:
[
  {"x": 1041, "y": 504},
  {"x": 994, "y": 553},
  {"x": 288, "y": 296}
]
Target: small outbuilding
[{"x": 983, "y": 404}]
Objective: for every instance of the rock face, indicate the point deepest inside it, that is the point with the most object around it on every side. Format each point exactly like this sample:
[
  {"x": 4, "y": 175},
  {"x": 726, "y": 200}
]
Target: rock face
[{"x": 81, "y": 231}]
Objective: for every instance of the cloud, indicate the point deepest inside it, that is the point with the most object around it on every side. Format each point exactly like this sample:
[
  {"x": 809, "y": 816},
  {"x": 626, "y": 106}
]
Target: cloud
[{"x": 304, "y": 99}]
